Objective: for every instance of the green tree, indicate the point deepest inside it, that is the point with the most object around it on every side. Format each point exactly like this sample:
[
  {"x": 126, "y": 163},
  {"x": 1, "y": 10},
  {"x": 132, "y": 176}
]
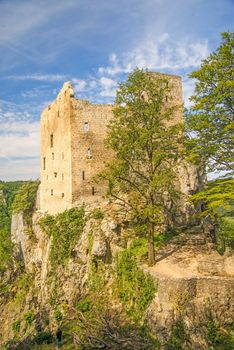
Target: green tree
[
  {"x": 210, "y": 121},
  {"x": 146, "y": 145}
]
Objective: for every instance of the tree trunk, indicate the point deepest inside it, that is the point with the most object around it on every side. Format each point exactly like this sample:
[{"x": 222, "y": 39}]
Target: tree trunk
[{"x": 151, "y": 252}]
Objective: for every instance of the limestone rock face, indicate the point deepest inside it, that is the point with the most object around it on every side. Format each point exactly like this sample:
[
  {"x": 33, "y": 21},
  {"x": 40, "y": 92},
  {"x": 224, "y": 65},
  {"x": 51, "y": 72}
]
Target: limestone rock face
[
  {"x": 194, "y": 287},
  {"x": 194, "y": 284}
]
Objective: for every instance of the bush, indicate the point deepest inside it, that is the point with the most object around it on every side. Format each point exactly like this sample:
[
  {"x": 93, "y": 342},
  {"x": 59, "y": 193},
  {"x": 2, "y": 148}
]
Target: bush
[
  {"x": 226, "y": 234},
  {"x": 177, "y": 337},
  {"x": 16, "y": 326},
  {"x": 58, "y": 315},
  {"x": 97, "y": 214},
  {"x": 65, "y": 230},
  {"x": 134, "y": 288},
  {"x": 25, "y": 198},
  {"x": 29, "y": 317},
  {"x": 44, "y": 338},
  {"x": 8, "y": 191}
]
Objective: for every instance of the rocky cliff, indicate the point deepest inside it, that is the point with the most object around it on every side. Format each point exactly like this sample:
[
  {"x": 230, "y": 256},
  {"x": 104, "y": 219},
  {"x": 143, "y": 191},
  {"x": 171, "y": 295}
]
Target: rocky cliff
[{"x": 85, "y": 272}]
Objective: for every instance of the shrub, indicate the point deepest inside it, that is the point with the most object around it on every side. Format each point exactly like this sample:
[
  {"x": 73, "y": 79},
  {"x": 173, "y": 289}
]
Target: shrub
[
  {"x": 44, "y": 338},
  {"x": 226, "y": 234},
  {"x": 25, "y": 198},
  {"x": 65, "y": 230},
  {"x": 29, "y": 317},
  {"x": 97, "y": 214},
  {"x": 16, "y": 326},
  {"x": 58, "y": 315},
  {"x": 134, "y": 288}
]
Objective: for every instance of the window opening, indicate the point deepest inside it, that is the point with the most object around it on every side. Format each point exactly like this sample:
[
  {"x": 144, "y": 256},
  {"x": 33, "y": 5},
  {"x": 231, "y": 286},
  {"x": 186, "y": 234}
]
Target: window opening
[
  {"x": 44, "y": 163},
  {"x": 62, "y": 176},
  {"x": 51, "y": 192},
  {"x": 55, "y": 174},
  {"x": 93, "y": 191},
  {"x": 89, "y": 153},
  {"x": 51, "y": 140},
  {"x": 83, "y": 175},
  {"x": 62, "y": 195},
  {"x": 53, "y": 156},
  {"x": 86, "y": 127}
]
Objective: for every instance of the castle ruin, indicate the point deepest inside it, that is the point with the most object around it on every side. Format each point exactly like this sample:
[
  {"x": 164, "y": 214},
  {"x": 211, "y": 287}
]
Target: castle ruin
[{"x": 73, "y": 150}]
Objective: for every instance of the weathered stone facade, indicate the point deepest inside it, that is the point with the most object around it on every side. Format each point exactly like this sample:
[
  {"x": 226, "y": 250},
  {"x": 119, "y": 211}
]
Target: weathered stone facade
[{"x": 73, "y": 150}]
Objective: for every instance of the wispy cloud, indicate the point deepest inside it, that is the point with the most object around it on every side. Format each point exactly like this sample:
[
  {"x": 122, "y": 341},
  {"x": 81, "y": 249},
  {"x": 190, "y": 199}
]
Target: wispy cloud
[
  {"x": 39, "y": 77},
  {"x": 108, "y": 87},
  {"x": 162, "y": 54}
]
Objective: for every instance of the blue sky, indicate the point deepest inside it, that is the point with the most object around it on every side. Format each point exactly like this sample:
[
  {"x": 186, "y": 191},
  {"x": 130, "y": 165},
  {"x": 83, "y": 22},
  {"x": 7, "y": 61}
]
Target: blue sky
[{"x": 94, "y": 44}]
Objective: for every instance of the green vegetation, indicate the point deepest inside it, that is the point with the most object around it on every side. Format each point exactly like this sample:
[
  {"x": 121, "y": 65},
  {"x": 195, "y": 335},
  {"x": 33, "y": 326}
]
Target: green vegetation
[
  {"x": 8, "y": 191},
  {"x": 226, "y": 234},
  {"x": 65, "y": 230},
  {"x": 97, "y": 214},
  {"x": 146, "y": 147},
  {"x": 220, "y": 338},
  {"x": 29, "y": 317},
  {"x": 16, "y": 326},
  {"x": 24, "y": 200},
  {"x": 177, "y": 337},
  {"x": 218, "y": 196},
  {"x": 134, "y": 288},
  {"x": 210, "y": 121}
]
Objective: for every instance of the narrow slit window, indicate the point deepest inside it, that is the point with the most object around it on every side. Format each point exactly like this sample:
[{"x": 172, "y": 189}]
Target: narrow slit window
[
  {"x": 86, "y": 127},
  {"x": 44, "y": 163},
  {"x": 62, "y": 176},
  {"x": 53, "y": 156},
  {"x": 55, "y": 174},
  {"x": 51, "y": 140},
  {"x": 62, "y": 195},
  {"x": 52, "y": 192},
  {"x": 83, "y": 175},
  {"x": 166, "y": 98},
  {"x": 93, "y": 191},
  {"x": 89, "y": 153}
]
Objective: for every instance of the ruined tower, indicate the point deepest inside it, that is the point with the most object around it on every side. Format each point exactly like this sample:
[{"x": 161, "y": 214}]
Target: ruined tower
[{"x": 73, "y": 150}]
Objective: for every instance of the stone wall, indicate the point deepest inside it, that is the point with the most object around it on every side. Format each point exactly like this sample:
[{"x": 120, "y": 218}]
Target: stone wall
[
  {"x": 88, "y": 125},
  {"x": 56, "y": 175},
  {"x": 73, "y": 150}
]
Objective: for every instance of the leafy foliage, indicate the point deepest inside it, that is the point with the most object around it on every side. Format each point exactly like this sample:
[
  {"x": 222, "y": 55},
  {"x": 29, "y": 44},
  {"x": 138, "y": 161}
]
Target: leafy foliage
[
  {"x": 146, "y": 145},
  {"x": 25, "y": 198},
  {"x": 226, "y": 234},
  {"x": 29, "y": 317},
  {"x": 219, "y": 337},
  {"x": 218, "y": 196},
  {"x": 97, "y": 214},
  {"x": 134, "y": 288},
  {"x": 177, "y": 337},
  {"x": 210, "y": 122},
  {"x": 65, "y": 229},
  {"x": 8, "y": 191}
]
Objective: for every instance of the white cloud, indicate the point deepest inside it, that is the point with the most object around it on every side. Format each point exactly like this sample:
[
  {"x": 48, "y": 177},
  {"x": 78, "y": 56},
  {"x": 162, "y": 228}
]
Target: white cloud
[
  {"x": 108, "y": 87},
  {"x": 19, "y": 169},
  {"x": 40, "y": 77},
  {"x": 161, "y": 54},
  {"x": 19, "y": 139},
  {"x": 188, "y": 89},
  {"x": 78, "y": 84}
]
